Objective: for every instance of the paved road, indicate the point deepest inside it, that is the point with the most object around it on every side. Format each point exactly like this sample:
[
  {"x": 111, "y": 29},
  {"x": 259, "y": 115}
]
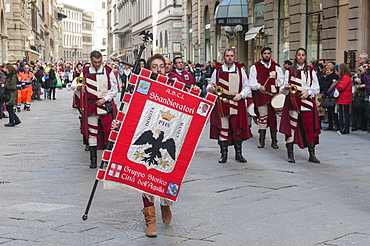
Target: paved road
[{"x": 45, "y": 183}]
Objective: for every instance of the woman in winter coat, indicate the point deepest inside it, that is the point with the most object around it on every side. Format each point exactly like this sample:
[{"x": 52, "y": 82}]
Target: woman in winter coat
[
  {"x": 53, "y": 82},
  {"x": 344, "y": 87},
  {"x": 11, "y": 87},
  {"x": 327, "y": 81}
]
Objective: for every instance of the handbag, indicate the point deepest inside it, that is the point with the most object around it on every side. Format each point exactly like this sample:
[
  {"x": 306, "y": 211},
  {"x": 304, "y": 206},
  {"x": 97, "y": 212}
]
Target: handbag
[
  {"x": 333, "y": 91},
  {"x": 59, "y": 82},
  {"x": 358, "y": 103},
  {"x": 328, "y": 102},
  {"x": 6, "y": 96}
]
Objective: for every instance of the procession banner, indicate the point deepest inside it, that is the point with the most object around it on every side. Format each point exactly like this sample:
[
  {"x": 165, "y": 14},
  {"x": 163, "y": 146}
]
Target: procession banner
[{"x": 160, "y": 129}]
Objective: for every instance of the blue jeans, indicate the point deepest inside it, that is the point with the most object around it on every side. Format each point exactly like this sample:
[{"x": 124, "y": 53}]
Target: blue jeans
[
  {"x": 367, "y": 95},
  {"x": 46, "y": 93}
]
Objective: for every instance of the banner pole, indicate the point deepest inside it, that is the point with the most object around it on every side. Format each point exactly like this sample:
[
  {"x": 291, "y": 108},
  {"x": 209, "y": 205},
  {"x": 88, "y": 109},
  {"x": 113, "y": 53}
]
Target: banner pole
[{"x": 84, "y": 217}]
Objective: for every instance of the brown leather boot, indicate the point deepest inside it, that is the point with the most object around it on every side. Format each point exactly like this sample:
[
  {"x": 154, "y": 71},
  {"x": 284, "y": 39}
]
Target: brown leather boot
[
  {"x": 274, "y": 139},
  {"x": 166, "y": 214},
  {"x": 311, "y": 151},
  {"x": 262, "y": 137},
  {"x": 150, "y": 221}
]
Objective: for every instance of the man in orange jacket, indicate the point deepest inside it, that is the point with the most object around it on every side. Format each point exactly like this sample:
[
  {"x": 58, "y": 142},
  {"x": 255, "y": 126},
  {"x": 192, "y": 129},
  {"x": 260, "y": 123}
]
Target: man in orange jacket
[{"x": 26, "y": 78}]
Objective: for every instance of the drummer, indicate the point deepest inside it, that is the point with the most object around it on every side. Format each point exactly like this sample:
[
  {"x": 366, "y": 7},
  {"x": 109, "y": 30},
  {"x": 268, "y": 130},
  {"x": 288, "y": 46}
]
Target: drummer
[{"x": 264, "y": 79}]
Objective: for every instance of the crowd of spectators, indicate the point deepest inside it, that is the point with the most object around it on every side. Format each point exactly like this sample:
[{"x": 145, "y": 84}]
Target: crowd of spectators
[{"x": 349, "y": 94}]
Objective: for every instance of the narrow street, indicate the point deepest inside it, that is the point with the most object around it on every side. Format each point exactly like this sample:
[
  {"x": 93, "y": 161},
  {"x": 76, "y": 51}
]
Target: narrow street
[{"x": 45, "y": 183}]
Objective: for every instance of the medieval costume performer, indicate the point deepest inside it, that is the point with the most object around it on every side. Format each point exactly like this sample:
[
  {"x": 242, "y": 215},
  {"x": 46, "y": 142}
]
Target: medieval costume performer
[
  {"x": 264, "y": 78},
  {"x": 229, "y": 117},
  {"x": 300, "y": 122}
]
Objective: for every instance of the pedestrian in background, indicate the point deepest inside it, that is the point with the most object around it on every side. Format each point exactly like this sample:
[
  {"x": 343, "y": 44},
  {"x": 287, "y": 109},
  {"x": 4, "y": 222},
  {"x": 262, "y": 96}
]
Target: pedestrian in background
[
  {"x": 11, "y": 87},
  {"x": 326, "y": 81},
  {"x": 37, "y": 84},
  {"x": 52, "y": 82},
  {"x": 344, "y": 87},
  {"x": 2, "y": 90}
]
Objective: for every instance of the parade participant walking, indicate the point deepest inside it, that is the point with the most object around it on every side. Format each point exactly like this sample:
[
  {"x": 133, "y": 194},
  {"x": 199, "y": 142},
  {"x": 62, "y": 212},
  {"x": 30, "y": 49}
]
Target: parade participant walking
[
  {"x": 265, "y": 76},
  {"x": 11, "y": 87},
  {"x": 229, "y": 118},
  {"x": 168, "y": 65},
  {"x": 300, "y": 121},
  {"x": 179, "y": 74},
  {"x": 26, "y": 78},
  {"x": 100, "y": 109},
  {"x": 156, "y": 63}
]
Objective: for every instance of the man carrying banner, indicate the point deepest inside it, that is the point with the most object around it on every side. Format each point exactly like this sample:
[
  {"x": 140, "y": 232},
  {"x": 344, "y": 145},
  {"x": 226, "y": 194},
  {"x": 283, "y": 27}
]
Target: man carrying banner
[
  {"x": 99, "y": 108},
  {"x": 229, "y": 117},
  {"x": 264, "y": 76},
  {"x": 156, "y": 63}
]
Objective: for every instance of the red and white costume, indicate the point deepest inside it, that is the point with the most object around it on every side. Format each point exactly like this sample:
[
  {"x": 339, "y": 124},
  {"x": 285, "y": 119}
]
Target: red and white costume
[
  {"x": 300, "y": 121},
  {"x": 233, "y": 80},
  {"x": 96, "y": 122},
  {"x": 270, "y": 76}
]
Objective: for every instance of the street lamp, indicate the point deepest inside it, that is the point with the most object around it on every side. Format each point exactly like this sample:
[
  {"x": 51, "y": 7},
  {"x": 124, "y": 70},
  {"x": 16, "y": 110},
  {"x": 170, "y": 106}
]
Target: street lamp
[{"x": 231, "y": 33}]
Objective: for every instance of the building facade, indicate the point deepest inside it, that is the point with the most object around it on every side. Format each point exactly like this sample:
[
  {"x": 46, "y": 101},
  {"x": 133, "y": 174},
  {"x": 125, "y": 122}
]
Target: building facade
[
  {"x": 71, "y": 26},
  {"x": 333, "y": 30},
  {"x": 162, "y": 18},
  {"x": 101, "y": 28},
  {"x": 87, "y": 35},
  {"x": 3, "y": 32},
  {"x": 30, "y": 30}
]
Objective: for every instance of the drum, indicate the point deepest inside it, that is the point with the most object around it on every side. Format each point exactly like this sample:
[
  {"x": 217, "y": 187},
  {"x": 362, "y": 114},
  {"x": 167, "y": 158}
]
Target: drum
[
  {"x": 250, "y": 110},
  {"x": 277, "y": 102}
]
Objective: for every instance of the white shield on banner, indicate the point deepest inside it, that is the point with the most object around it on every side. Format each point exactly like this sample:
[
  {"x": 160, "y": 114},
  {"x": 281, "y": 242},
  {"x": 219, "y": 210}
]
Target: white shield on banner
[{"x": 159, "y": 137}]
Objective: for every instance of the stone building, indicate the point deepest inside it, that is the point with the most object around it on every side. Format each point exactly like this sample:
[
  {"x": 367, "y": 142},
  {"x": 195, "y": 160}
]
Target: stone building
[
  {"x": 332, "y": 29},
  {"x": 71, "y": 26},
  {"x": 100, "y": 35},
  {"x": 162, "y": 18},
  {"x": 30, "y": 26},
  {"x": 3, "y": 32},
  {"x": 87, "y": 35}
]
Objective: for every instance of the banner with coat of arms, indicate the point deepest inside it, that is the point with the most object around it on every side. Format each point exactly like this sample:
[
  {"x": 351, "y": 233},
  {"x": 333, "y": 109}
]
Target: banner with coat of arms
[{"x": 160, "y": 129}]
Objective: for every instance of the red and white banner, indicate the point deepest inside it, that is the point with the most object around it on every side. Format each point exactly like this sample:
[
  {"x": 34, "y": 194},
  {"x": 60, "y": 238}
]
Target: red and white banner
[{"x": 160, "y": 129}]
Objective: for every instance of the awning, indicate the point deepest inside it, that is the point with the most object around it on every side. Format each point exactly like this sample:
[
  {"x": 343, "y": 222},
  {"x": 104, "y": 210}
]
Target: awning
[
  {"x": 253, "y": 32},
  {"x": 232, "y": 13},
  {"x": 34, "y": 52}
]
